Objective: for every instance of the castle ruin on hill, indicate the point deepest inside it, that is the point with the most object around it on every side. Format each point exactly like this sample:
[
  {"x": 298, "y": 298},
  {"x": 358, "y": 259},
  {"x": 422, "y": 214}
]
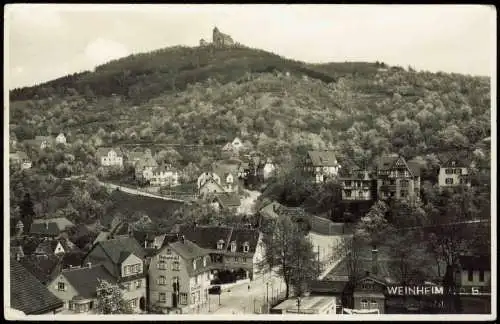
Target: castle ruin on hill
[{"x": 219, "y": 40}]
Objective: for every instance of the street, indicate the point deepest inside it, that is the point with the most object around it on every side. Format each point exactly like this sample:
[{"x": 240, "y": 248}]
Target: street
[{"x": 240, "y": 300}]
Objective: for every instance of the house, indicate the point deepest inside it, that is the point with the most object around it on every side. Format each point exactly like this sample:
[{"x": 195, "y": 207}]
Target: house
[
  {"x": 227, "y": 172},
  {"x": 61, "y": 139},
  {"x": 44, "y": 141},
  {"x": 20, "y": 159},
  {"x": 52, "y": 247},
  {"x": 320, "y": 305},
  {"x": 233, "y": 147},
  {"x": 356, "y": 183},
  {"x": 226, "y": 201},
  {"x": 231, "y": 249},
  {"x": 474, "y": 271},
  {"x": 164, "y": 175},
  {"x": 179, "y": 277},
  {"x": 123, "y": 259},
  {"x": 77, "y": 287},
  {"x": 109, "y": 157},
  {"x": 454, "y": 170},
  {"x": 322, "y": 165},
  {"x": 397, "y": 178},
  {"x": 51, "y": 227},
  {"x": 44, "y": 267},
  {"x": 29, "y": 295},
  {"x": 145, "y": 167},
  {"x": 268, "y": 169},
  {"x": 209, "y": 182}
]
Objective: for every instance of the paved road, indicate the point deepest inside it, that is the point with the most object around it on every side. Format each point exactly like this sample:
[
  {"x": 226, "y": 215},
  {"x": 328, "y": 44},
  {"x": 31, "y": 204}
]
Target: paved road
[
  {"x": 127, "y": 189},
  {"x": 241, "y": 300}
]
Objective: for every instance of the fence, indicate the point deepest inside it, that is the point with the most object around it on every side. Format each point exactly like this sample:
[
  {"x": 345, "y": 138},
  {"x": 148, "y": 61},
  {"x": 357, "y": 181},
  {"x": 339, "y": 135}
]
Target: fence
[{"x": 262, "y": 306}]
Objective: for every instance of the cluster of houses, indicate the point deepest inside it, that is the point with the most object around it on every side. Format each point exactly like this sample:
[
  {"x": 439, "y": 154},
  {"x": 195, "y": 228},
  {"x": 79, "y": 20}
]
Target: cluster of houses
[
  {"x": 156, "y": 271},
  {"x": 390, "y": 176},
  {"x": 19, "y": 158}
]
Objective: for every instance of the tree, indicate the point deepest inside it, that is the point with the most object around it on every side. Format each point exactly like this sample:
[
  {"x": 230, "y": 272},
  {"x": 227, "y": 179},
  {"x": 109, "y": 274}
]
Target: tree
[
  {"x": 291, "y": 252},
  {"x": 27, "y": 211},
  {"x": 373, "y": 227},
  {"x": 110, "y": 299}
]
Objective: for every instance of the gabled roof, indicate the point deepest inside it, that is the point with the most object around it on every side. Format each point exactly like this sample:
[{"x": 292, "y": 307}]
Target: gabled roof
[
  {"x": 191, "y": 253},
  {"x": 242, "y": 236},
  {"x": 206, "y": 236},
  {"x": 146, "y": 161},
  {"x": 385, "y": 162},
  {"x": 62, "y": 223},
  {"x": 114, "y": 247},
  {"x": 43, "y": 267},
  {"x": 461, "y": 159},
  {"x": 228, "y": 199},
  {"x": 45, "y": 229},
  {"x": 323, "y": 158},
  {"x": 29, "y": 295},
  {"x": 475, "y": 262},
  {"x": 188, "y": 250},
  {"x": 415, "y": 168},
  {"x": 272, "y": 209},
  {"x": 103, "y": 151},
  {"x": 49, "y": 247},
  {"x": 73, "y": 259},
  {"x": 84, "y": 280}
]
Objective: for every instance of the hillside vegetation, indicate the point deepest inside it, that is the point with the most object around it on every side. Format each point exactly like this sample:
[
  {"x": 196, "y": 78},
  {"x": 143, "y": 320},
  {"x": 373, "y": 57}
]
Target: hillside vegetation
[{"x": 207, "y": 97}]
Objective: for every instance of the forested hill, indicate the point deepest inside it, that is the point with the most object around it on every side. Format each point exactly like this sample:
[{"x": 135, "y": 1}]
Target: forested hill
[
  {"x": 208, "y": 96},
  {"x": 143, "y": 76}
]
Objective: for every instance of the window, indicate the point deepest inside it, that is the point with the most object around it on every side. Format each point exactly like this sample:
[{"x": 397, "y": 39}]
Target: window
[
  {"x": 246, "y": 247},
  {"x": 458, "y": 171},
  {"x": 448, "y": 171},
  {"x": 192, "y": 298},
  {"x": 162, "y": 280},
  {"x": 220, "y": 245},
  {"x": 162, "y": 297},
  {"x": 60, "y": 286},
  {"x": 364, "y": 304},
  {"x": 404, "y": 193},
  {"x": 183, "y": 298},
  {"x": 373, "y": 304},
  {"x": 138, "y": 284},
  {"x": 194, "y": 264},
  {"x": 481, "y": 275},
  {"x": 348, "y": 183},
  {"x": 470, "y": 275},
  {"x": 449, "y": 181},
  {"x": 233, "y": 246},
  {"x": 82, "y": 308},
  {"x": 133, "y": 303},
  {"x": 348, "y": 193},
  {"x": 405, "y": 183},
  {"x": 162, "y": 265},
  {"x": 205, "y": 261},
  {"x": 175, "y": 266},
  {"x": 453, "y": 163},
  {"x": 360, "y": 193},
  {"x": 196, "y": 280}
]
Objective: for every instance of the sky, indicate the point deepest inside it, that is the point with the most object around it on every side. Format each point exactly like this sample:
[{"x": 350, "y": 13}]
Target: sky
[{"x": 47, "y": 41}]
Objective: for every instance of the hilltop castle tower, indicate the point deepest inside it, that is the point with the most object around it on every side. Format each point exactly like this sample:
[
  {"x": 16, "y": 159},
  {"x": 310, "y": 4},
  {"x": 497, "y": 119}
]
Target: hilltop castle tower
[{"x": 220, "y": 39}]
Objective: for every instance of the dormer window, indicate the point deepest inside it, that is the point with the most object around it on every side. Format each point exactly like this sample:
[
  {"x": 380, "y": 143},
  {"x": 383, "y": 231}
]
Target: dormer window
[
  {"x": 246, "y": 247},
  {"x": 233, "y": 246},
  {"x": 220, "y": 245}
]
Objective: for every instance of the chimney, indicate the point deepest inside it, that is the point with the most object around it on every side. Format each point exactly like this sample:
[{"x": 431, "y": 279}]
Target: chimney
[
  {"x": 89, "y": 264},
  {"x": 374, "y": 260}
]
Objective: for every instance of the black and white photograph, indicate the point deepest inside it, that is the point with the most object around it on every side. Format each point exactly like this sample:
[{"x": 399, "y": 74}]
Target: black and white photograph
[{"x": 249, "y": 162}]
